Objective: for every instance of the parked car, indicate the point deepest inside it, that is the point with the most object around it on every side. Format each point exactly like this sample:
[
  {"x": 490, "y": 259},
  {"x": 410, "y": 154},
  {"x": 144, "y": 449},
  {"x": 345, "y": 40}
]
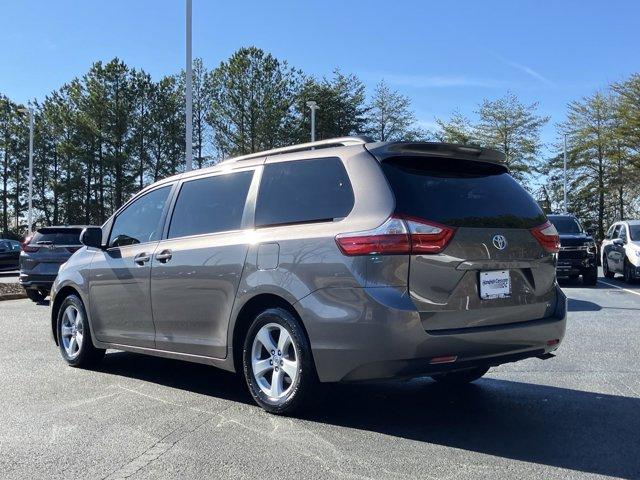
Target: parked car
[
  {"x": 578, "y": 254},
  {"x": 9, "y": 254},
  {"x": 621, "y": 250},
  {"x": 41, "y": 257},
  {"x": 339, "y": 260}
]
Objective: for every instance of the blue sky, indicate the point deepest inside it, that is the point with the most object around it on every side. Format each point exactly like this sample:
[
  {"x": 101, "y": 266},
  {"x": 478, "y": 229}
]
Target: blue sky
[{"x": 444, "y": 55}]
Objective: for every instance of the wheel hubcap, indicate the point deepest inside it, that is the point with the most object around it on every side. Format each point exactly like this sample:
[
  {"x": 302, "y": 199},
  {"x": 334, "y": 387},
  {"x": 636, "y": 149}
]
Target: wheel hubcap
[
  {"x": 72, "y": 331},
  {"x": 274, "y": 361}
]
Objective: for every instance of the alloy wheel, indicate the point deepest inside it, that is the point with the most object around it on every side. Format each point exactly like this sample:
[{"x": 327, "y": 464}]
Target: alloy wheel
[
  {"x": 274, "y": 361},
  {"x": 72, "y": 331}
]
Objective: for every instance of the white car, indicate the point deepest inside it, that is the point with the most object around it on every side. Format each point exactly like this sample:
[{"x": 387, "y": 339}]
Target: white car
[{"x": 621, "y": 250}]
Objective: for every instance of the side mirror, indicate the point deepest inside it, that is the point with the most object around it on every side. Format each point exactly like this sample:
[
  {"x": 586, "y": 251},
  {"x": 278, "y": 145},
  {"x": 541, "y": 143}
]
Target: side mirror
[
  {"x": 618, "y": 241},
  {"x": 91, "y": 237},
  {"x": 591, "y": 232}
]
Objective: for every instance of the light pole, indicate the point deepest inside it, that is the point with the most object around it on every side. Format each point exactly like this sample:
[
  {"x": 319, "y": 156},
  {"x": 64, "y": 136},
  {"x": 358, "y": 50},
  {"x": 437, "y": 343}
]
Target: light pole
[
  {"x": 188, "y": 95},
  {"x": 313, "y": 106},
  {"x": 565, "y": 174},
  {"x": 30, "y": 213}
]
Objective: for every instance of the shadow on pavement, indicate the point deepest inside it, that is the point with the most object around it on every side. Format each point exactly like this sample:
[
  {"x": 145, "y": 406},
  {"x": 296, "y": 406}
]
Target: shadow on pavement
[
  {"x": 559, "y": 427},
  {"x": 582, "y": 306}
]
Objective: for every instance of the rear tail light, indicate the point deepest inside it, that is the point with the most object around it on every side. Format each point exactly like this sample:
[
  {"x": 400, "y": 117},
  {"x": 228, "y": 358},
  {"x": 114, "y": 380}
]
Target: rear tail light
[
  {"x": 426, "y": 236},
  {"x": 547, "y": 236},
  {"x": 25, "y": 247},
  {"x": 397, "y": 236},
  {"x": 73, "y": 249},
  {"x": 392, "y": 237}
]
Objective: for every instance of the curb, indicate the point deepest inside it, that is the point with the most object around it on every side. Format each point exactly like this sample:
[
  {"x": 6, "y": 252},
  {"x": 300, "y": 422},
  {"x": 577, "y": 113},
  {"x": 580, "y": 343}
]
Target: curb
[{"x": 12, "y": 296}]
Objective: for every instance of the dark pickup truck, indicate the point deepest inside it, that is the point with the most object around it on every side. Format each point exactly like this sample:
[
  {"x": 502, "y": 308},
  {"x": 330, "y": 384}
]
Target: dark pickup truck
[{"x": 578, "y": 254}]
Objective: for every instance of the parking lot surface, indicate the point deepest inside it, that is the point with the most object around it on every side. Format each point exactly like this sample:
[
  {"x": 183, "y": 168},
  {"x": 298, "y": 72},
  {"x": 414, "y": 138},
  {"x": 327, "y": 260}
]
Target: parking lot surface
[{"x": 574, "y": 416}]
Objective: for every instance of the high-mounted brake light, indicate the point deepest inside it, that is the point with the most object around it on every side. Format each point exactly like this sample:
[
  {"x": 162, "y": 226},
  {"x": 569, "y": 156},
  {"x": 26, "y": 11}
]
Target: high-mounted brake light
[
  {"x": 547, "y": 236},
  {"x": 399, "y": 235}
]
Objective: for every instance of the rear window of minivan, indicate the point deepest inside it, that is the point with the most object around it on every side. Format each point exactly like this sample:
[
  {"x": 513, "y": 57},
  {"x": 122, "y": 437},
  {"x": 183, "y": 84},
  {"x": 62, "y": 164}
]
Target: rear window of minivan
[
  {"x": 460, "y": 193},
  {"x": 303, "y": 191}
]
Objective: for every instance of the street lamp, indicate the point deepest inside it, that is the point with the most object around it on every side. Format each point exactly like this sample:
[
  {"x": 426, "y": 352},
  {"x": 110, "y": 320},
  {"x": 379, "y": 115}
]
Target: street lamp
[
  {"x": 565, "y": 174},
  {"x": 313, "y": 106},
  {"x": 188, "y": 95},
  {"x": 30, "y": 213}
]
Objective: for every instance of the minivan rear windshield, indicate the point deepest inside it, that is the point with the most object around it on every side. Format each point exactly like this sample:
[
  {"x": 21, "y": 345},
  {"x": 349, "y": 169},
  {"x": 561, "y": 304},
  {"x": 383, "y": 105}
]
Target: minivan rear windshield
[
  {"x": 57, "y": 236},
  {"x": 460, "y": 193}
]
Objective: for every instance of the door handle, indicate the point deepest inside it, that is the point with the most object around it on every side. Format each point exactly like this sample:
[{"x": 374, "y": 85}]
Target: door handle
[
  {"x": 164, "y": 256},
  {"x": 142, "y": 258}
]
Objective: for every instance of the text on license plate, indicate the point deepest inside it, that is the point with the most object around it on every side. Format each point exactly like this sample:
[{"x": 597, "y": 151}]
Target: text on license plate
[{"x": 495, "y": 284}]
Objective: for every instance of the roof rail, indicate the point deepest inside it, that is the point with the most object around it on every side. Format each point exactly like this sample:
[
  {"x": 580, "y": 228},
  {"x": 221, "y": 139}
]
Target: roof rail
[{"x": 301, "y": 147}]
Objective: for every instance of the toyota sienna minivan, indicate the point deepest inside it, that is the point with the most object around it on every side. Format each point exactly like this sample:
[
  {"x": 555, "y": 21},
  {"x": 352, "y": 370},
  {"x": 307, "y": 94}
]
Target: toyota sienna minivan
[{"x": 335, "y": 261}]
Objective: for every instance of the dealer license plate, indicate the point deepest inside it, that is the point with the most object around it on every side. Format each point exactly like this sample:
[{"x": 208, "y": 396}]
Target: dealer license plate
[{"x": 495, "y": 284}]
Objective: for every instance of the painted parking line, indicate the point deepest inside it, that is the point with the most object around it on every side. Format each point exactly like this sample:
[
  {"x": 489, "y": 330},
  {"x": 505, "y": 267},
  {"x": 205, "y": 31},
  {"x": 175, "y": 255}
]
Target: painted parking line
[{"x": 618, "y": 287}]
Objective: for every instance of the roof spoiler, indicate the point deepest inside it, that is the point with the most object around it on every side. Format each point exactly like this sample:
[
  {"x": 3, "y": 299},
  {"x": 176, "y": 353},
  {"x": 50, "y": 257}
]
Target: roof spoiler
[{"x": 384, "y": 150}]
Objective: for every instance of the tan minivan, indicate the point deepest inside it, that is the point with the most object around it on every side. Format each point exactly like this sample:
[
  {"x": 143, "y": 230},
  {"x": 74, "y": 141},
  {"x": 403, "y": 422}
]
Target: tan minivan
[{"x": 336, "y": 261}]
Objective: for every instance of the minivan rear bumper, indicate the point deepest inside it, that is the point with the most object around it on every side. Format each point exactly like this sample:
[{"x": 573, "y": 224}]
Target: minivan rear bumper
[{"x": 374, "y": 333}]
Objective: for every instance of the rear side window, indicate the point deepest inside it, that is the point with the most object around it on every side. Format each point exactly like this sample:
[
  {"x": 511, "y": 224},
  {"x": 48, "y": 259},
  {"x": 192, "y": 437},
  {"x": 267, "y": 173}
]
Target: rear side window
[
  {"x": 57, "y": 236},
  {"x": 210, "y": 205},
  {"x": 301, "y": 191},
  {"x": 460, "y": 193}
]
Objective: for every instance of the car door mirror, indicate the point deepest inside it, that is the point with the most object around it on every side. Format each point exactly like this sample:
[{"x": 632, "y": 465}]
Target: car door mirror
[
  {"x": 591, "y": 232},
  {"x": 618, "y": 241},
  {"x": 91, "y": 237}
]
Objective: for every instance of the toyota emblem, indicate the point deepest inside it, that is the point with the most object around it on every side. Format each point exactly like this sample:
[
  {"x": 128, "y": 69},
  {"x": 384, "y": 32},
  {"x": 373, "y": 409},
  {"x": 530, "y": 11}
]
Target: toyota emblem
[{"x": 500, "y": 242}]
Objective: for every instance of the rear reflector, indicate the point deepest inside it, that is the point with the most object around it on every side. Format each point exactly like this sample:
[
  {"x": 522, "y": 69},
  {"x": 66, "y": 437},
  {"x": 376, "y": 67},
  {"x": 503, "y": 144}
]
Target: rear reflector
[
  {"x": 399, "y": 235},
  {"x": 73, "y": 249},
  {"x": 447, "y": 359},
  {"x": 553, "y": 342},
  {"x": 547, "y": 237}
]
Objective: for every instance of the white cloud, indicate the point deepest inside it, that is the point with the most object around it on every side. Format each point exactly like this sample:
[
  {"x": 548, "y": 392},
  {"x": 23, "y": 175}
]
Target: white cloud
[{"x": 526, "y": 69}]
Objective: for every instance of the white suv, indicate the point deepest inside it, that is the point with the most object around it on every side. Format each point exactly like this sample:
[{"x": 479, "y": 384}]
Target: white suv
[{"x": 621, "y": 250}]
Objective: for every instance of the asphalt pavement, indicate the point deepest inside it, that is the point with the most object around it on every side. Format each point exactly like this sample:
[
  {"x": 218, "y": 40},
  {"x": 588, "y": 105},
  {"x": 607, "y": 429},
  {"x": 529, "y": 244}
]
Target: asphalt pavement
[{"x": 574, "y": 416}]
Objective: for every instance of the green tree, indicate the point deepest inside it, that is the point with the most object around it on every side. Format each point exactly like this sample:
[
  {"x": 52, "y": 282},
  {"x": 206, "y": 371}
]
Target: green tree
[
  {"x": 390, "y": 116},
  {"x": 342, "y": 107},
  {"x": 513, "y": 128},
  {"x": 458, "y": 129},
  {"x": 251, "y": 102}
]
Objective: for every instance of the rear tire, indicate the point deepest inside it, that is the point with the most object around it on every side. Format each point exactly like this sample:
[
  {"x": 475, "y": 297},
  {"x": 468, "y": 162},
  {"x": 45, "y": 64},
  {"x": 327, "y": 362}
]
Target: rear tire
[
  {"x": 590, "y": 278},
  {"x": 461, "y": 377},
  {"x": 277, "y": 363},
  {"x": 37, "y": 296},
  {"x": 74, "y": 335}
]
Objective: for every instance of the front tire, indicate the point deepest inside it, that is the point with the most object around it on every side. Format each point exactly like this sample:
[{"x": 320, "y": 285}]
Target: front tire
[
  {"x": 278, "y": 364},
  {"x": 628, "y": 274},
  {"x": 74, "y": 335},
  {"x": 605, "y": 268},
  {"x": 461, "y": 377},
  {"x": 590, "y": 278}
]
